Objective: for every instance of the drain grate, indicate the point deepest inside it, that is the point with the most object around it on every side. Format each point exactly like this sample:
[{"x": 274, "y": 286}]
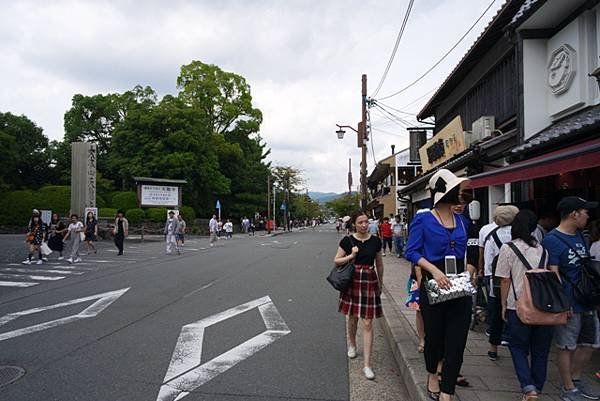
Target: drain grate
[{"x": 10, "y": 374}]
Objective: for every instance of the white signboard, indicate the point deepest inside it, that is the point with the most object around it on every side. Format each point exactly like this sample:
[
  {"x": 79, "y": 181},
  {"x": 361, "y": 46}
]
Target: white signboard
[
  {"x": 159, "y": 195},
  {"x": 94, "y": 211},
  {"x": 46, "y": 216}
]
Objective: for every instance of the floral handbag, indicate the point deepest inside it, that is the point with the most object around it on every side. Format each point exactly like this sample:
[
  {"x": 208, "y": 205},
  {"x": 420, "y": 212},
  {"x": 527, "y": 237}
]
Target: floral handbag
[{"x": 461, "y": 287}]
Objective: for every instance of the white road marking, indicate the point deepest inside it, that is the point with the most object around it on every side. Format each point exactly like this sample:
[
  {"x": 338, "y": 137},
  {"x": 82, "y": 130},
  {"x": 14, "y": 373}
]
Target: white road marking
[
  {"x": 104, "y": 300},
  {"x": 53, "y": 271},
  {"x": 32, "y": 277},
  {"x": 192, "y": 249},
  {"x": 16, "y": 284},
  {"x": 185, "y": 373},
  {"x": 98, "y": 261}
]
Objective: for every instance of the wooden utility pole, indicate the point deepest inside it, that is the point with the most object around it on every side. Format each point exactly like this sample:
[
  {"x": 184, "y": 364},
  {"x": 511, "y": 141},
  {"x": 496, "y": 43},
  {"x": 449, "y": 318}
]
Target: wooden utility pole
[
  {"x": 363, "y": 138},
  {"x": 269, "y": 197}
]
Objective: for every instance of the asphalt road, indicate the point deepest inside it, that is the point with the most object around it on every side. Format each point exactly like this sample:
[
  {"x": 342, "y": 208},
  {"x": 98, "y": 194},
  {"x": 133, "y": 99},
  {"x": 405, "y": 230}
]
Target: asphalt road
[{"x": 249, "y": 319}]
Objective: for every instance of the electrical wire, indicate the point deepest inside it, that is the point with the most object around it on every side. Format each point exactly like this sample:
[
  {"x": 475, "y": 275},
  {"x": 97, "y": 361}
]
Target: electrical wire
[
  {"x": 443, "y": 57},
  {"x": 393, "y": 116},
  {"x": 371, "y": 136},
  {"x": 395, "y": 49}
]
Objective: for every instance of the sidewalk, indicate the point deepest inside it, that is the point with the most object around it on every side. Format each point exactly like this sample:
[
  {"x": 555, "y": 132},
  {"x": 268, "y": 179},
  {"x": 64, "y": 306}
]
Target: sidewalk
[{"x": 490, "y": 381}]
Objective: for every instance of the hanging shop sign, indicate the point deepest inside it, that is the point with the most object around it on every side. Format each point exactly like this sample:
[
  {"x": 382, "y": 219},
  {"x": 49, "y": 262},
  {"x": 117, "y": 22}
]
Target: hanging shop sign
[{"x": 448, "y": 142}]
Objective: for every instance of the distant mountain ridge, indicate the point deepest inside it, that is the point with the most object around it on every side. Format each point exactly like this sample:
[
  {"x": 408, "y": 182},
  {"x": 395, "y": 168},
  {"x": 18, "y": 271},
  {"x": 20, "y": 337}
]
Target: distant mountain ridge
[{"x": 324, "y": 197}]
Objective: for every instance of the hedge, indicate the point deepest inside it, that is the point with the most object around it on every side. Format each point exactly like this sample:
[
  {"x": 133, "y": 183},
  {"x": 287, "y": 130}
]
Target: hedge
[
  {"x": 124, "y": 200},
  {"x": 157, "y": 215},
  {"x": 188, "y": 213},
  {"x": 107, "y": 212},
  {"x": 135, "y": 215}
]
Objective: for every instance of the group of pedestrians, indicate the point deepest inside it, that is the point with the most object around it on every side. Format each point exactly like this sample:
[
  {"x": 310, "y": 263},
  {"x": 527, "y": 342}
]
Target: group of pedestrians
[
  {"x": 174, "y": 231},
  {"x": 43, "y": 239},
  {"x": 440, "y": 249}
]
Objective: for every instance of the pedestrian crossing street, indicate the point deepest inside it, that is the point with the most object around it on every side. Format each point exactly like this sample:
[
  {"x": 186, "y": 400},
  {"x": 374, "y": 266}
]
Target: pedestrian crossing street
[{"x": 18, "y": 275}]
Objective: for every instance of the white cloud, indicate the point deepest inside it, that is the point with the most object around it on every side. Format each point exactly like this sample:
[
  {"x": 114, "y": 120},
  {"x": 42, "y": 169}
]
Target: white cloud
[{"x": 303, "y": 60}]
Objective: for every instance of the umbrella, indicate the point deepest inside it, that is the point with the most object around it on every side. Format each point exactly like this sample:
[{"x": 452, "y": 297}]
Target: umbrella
[{"x": 345, "y": 218}]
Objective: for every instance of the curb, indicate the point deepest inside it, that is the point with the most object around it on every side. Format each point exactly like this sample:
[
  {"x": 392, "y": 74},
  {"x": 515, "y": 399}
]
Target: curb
[{"x": 403, "y": 342}]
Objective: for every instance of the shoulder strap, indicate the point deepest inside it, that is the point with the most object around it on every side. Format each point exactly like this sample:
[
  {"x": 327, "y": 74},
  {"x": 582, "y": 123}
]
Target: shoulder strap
[
  {"x": 522, "y": 258},
  {"x": 493, "y": 232},
  {"x": 542, "y": 263},
  {"x": 497, "y": 239}
]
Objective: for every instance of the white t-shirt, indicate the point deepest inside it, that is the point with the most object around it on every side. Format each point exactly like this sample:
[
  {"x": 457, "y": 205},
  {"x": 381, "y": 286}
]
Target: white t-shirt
[
  {"x": 74, "y": 227},
  {"x": 228, "y": 227},
  {"x": 490, "y": 249},
  {"x": 595, "y": 250}
]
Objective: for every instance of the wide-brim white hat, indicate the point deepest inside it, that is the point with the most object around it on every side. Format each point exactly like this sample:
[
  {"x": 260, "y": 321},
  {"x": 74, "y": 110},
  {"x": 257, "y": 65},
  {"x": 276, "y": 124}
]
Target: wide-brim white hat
[{"x": 442, "y": 182}]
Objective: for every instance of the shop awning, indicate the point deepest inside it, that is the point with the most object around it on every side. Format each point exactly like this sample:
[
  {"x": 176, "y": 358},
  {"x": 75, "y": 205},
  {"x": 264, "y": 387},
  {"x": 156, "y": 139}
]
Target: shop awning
[{"x": 578, "y": 157}]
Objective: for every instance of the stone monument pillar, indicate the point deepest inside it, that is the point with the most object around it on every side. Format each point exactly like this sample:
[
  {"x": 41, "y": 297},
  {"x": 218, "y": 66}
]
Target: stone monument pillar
[{"x": 83, "y": 176}]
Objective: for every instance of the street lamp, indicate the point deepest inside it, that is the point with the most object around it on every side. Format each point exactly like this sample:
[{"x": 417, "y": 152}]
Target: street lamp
[
  {"x": 596, "y": 74},
  {"x": 362, "y": 137}
]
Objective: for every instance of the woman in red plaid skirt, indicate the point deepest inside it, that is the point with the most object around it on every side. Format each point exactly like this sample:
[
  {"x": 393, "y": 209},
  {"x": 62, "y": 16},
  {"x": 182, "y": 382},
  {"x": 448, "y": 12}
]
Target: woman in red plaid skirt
[{"x": 362, "y": 299}]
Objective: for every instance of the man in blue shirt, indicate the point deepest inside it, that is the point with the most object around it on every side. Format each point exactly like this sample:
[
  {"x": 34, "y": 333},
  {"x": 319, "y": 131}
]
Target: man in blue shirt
[{"x": 577, "y": 339}]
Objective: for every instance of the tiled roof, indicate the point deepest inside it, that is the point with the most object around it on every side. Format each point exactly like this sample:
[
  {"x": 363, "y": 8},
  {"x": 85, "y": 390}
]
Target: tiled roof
[
  {"x": 528, "y": 8},
  {"x": 578, "y": 124}
]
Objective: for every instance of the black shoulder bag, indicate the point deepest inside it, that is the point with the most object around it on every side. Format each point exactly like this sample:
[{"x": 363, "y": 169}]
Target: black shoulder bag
[{"x": 340, "y": 277}]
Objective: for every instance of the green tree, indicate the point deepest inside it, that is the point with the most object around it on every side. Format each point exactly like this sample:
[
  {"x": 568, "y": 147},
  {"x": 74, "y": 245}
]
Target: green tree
[
  {"x": 24, "y": 161},
  {"x": 344, "y": 205}
]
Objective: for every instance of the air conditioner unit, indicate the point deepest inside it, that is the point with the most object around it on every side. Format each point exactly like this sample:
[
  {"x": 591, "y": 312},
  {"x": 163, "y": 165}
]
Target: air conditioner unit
[{"x": 482, "y": 128}]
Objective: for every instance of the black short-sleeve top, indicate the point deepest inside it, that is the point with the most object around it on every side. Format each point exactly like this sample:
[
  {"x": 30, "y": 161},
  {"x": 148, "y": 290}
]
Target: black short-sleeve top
[{"x": 367, "y": 250}]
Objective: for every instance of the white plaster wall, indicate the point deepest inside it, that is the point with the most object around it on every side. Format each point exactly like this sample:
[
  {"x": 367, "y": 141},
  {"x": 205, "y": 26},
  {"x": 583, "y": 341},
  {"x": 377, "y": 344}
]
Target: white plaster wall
[
  {"x": 575, "y": 97},
  {"x": 535, "y": 87}
]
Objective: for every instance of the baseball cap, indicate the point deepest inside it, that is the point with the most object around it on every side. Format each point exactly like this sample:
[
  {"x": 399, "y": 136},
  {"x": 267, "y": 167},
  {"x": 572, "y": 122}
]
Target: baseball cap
[{"x": 569, "y": 204}]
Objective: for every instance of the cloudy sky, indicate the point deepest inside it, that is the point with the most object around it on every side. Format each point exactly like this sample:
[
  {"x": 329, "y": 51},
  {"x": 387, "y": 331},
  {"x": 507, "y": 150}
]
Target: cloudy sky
[{"x": 302, "y": 58}]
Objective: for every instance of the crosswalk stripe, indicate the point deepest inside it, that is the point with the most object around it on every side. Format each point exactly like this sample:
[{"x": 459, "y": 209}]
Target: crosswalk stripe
[
  {"x": 17, "y": 284},
  {"x": 32, "y": 277},
  {"x": 20, "y": 270}
]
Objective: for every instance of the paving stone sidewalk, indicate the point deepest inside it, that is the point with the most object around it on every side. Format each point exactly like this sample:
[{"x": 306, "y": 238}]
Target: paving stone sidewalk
[{"x": 490, "y": 381}]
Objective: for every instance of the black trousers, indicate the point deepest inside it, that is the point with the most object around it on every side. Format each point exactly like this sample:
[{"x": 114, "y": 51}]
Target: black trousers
[
  {"x": 119, "y": 239},
  {"x": 446, "y": 330}
]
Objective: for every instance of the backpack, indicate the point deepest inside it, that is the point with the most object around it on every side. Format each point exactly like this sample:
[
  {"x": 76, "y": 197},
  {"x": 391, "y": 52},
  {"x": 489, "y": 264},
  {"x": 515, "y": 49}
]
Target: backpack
[
  {"x": 543, "y": 301},
  {"x": 495, "y": 280},
  {"x": 587, "y": 289}
]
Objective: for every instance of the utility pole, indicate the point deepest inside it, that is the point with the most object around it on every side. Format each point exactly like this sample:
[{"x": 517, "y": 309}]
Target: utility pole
[
  {"x": 349, "y": 176},
  {"x": 362, "y": 132},
  {"x": 269, "y": 197}
]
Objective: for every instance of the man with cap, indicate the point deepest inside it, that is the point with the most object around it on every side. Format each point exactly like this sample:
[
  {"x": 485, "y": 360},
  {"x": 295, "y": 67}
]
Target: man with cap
[
  {"x": 577, "y": 339},
  {"x": 170, "y": 231}
]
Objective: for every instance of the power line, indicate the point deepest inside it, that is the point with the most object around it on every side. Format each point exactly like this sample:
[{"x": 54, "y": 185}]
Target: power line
[
  {"x": 393, "y": 116},
  {"x": 443, "y": 57},
  {"x": 401, "y": 125},
  {"x": 391, "y": 60}
]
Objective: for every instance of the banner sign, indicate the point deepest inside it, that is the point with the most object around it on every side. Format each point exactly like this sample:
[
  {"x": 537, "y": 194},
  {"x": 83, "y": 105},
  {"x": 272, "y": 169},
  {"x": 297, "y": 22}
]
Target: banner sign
[
  {"x": 447, "y": 143},
  {"x": 159, "y": 195}
]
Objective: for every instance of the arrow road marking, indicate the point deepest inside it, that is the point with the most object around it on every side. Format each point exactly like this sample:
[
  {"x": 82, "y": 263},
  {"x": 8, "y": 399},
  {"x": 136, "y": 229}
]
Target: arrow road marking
[
  {"x": 103, "y": 301},
  {"x": 185, "y": 373}
]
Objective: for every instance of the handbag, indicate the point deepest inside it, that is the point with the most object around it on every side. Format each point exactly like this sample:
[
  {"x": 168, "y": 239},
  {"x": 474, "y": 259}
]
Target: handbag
[
  {"x": 461, "y": 287},
  {"x": 543, "y": 301},
  {"x": 340, "y": 277},
  {"x": 82, "y": 236},
  {"x": 45, "y": 249}
]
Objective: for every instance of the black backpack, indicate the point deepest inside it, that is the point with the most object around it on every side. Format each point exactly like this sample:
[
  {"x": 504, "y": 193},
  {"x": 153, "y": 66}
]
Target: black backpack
[{"x": 587, "y": 289}]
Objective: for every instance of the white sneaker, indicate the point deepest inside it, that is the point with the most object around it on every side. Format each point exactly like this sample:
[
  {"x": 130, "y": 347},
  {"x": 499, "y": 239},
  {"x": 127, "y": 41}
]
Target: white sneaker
[
  {"x": 45, "y": 259},
  {"x": 26, "y": 262},
  {"x": 383, "y": 253},
  {"x": 70, "y": 260},
  {"x": 77, "y": 260},
  {"x": 39, "y": 262},
  {"x": 351, "y": 352},
  {"x": 61, "y": 257},
  {"x": 369, "y": 373}
]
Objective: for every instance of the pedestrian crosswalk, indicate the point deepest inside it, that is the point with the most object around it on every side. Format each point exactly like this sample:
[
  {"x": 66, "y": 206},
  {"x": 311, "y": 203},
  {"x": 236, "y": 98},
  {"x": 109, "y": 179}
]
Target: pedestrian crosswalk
[{"x": 17, "y": 275}]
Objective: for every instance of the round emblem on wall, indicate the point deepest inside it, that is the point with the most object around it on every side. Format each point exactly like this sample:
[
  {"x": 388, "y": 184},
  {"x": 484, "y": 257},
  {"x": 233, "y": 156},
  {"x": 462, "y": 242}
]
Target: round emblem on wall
[{"x": 561, "y": 69}]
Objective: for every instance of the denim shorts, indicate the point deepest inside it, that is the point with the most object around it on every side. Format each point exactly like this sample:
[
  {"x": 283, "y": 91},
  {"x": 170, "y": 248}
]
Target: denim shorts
[{"x": 582, "y": 329}]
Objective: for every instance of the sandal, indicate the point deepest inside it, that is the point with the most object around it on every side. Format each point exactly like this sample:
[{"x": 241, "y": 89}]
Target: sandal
[
  {"x": 433, "y": 395},
  {"x": 460, "y": 380}
]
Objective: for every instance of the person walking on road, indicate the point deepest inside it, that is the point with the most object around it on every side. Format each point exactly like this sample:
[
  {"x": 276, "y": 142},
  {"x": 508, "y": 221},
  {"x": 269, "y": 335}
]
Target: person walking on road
[
  {"x": 91, "y": 232},
  {"x": 524, "y": 339},
  {"x": 74, "y": 233},
  {"x": 213, "y": 228},
  {"x": 120, "y": 231},
  {"x": 373, "y": 227},
  {"x": 438, "y": 238},
  {"x": 386, "y": 234},
  {"x": 398, "y": 233},
  {"x": 57, "y": 230},
  {"x": 36, "y": 235},
  {"x": 363, "y": 298},
  {"x": 169, "y": 231},
  {"x": 577, "y": 339},
  {"x": 180, "y": 233},
  {"x": 228, "y": 227}
]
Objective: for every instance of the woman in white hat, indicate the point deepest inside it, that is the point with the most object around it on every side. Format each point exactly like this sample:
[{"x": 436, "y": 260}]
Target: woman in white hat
[{"x": 436, "y": 238}]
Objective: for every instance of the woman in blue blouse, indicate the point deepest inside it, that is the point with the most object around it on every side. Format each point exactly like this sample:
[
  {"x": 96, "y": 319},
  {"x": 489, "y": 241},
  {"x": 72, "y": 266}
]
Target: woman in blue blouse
[{"x": 433, "y": 236}]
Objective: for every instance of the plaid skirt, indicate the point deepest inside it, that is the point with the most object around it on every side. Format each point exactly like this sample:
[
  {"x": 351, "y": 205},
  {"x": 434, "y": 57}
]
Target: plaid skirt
[{"x": 362, "y": 298}]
